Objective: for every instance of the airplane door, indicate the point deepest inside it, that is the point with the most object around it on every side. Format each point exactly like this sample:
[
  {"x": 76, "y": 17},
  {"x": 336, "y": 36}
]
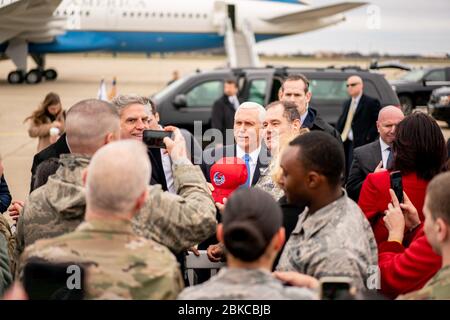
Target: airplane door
[{"x": 232, "y": 15}]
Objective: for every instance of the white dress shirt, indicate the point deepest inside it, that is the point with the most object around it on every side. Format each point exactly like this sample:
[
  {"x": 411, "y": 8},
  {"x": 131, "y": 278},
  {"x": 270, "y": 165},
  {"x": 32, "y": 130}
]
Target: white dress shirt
[
  {"x": 167, "y": 167},
  {"x": 303, "y": 117},
  {"x": 234, "y": 101},
  {"x": 384, "y": 152},
  {"x": 253, "y": 159},
  {"x": 350, "y": 133}
]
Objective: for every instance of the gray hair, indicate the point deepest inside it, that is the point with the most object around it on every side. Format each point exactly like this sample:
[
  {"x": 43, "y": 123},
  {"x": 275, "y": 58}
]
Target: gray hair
[
  {"x": 122, "y": 101},
  {"x": 253, "y": 105},
  {"x": 117, "y": 175},
  {"x": 88, "y": 122}
]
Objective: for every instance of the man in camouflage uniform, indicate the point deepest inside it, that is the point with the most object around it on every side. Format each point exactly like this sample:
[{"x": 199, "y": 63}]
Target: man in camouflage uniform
[
  {"x": 253, "y": 235},
  {"x": 176, "y": 221},
  {"x": 437, "y": 230},
  {"x": 119, "y": 264},
  {"x": 5, "y": 270},
  {"x": 332, "y": 236},
  {"x": 58, "y": 206}
]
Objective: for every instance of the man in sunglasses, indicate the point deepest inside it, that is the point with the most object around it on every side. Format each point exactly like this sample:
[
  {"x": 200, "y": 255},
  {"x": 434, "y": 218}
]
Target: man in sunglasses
[{"x": 357, "y": 122}]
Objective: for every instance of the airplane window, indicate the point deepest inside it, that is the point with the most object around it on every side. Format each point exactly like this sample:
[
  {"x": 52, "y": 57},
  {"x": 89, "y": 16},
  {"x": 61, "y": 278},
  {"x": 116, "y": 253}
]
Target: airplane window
[
  {"x": 175, "y": 15},
  {"x": 205, "y": 16},
  {"x": 57, "y": 12},
  {"x": 72, "y": 13},
  {"x": 87, "y": 13},
  {"x": 161, "y": 15},
  {"x": 132, "y": 14},
  {"x": 205, "y": 94},
  {"x": 153, "y": 14},
  {"x": 183, "y": 15},
  {"x": 65, "y": 12},
  {"x": 190, "y": 15},
  {"x": 139, "y": 14},
  {"x": 146, "y": 14},
  {"x": 168, "y": 15},
  {"x": 124, "y": 14},
  {"x": 197, "y": 15}
]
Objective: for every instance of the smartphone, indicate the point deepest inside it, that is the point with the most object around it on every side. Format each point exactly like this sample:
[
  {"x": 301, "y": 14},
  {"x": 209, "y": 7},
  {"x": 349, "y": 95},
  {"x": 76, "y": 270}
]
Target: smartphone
[
  {"x": 43, "y": 280},
  {"x": 335, "y": 288},
  {"x": 155, "y": 138},
  {"x": 397, "y": 185}
]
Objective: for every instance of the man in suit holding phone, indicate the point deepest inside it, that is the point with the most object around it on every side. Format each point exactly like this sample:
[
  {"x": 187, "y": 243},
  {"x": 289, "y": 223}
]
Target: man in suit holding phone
[{"x": 139, "y": 113}]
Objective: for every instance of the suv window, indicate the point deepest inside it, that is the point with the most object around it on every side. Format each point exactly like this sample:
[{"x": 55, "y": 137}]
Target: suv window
[
  {"x": 436, "y": 75},
  {"x": 326, "y": 89},
  {"x": 336, "y": 89},
  {"x": 257, "y": 91},
  {"x": 205, "y": 94}
]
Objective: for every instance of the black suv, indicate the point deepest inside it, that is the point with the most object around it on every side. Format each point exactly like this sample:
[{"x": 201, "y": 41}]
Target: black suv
[
  {"x": 191, "y": 98},
  {"x": 415, "y": 87}
]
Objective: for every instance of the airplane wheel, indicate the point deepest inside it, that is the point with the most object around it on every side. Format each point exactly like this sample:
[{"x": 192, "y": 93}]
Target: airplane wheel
[
  {"x": 33, "y": 76},
  {"x": 50, "y": 74},
  {"x": 15, "y": 77}
]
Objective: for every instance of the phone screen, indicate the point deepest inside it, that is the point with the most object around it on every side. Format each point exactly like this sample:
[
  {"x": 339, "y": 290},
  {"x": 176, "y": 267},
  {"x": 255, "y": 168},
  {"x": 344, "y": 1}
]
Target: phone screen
[
  {"x": 53, "y": 281},
  {"x": 155, "y": 138},
  {"x": 335, "y": 291},
  {"x": 397, "y": 185}
]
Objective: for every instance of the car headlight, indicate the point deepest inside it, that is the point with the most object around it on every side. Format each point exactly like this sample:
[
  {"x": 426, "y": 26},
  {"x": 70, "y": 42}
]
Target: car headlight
[{"x": 444, "y": 100}]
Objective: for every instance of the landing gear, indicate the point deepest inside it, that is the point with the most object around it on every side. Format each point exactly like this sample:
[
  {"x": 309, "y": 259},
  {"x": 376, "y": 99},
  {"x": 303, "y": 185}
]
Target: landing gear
[
  {"x": 33, "y": 76},
  {"x": 50, "y": 74},
  {"x": 15, "y": 77},
  {"x": 17, "y": 51}
]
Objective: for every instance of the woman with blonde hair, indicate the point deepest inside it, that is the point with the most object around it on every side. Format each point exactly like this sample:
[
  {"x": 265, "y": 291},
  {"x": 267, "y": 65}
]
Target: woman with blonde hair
[{"x": 47, "y": 121}]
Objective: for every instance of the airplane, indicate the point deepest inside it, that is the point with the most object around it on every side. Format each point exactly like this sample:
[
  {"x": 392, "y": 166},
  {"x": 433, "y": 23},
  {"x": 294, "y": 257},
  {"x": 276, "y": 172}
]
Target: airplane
[{"x": 38, "y": 27}]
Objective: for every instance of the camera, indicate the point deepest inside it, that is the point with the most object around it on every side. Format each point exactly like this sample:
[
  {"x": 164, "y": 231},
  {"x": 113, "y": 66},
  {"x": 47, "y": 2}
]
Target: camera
[{"x": 155, "y": 138}]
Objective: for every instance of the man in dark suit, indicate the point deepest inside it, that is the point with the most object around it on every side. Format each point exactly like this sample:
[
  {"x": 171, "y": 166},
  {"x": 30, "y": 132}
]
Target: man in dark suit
[
  {"x": 223, "y": 110},
  {"x": 357, "y": 122},
  {"x": 376, "y": 155},
  {"x": 52, "y": 151},
  {"x": 138, "y": 114},
  {"x": 247, "y": 130},
  {"x": 295, "y": 88}
]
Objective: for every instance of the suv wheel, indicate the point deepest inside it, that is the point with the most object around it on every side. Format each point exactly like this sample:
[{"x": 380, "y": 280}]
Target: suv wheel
[{"x": 407, "y": 104}]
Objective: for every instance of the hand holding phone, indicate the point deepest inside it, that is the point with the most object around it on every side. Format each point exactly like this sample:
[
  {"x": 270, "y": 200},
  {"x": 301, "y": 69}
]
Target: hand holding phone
[
  {"x": 397, "y": 185},
  {"x": 155, "y": 138}
]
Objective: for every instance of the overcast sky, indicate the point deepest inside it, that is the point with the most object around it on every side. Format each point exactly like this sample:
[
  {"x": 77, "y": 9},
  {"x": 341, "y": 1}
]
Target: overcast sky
[{"x": 405, "y": 27}]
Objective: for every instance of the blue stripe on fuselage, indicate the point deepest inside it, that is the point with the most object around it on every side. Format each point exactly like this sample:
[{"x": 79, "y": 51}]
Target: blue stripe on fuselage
[{"x": 82, "y": 41}]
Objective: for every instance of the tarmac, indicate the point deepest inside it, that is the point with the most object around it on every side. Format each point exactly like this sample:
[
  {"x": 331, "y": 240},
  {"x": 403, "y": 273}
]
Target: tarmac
[{"x": 79, "y": 78}]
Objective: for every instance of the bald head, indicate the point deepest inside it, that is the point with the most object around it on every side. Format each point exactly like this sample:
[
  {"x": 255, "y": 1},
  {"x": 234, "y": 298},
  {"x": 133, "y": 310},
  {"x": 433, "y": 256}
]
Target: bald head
[
  {"x": 90, "y": 124},
  {"x": 117, "y": 177},
  {"x": 388, "y": 119},
  {"x": 354, "y": 86}
]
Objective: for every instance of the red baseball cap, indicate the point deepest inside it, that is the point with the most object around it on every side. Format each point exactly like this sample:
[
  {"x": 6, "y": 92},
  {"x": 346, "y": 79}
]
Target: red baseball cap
[{"x": 227, "y": 175}]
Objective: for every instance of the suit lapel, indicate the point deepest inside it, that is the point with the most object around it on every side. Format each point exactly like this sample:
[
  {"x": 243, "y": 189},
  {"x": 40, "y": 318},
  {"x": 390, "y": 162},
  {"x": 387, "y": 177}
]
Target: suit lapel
[
  {"x": 375, "y": 155},
  {"x": 157, "y": 167},
  {"x": 359, "y": 107}
]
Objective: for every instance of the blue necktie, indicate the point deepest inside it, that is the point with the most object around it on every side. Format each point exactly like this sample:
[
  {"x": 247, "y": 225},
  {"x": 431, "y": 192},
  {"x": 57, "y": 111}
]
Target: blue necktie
[
  {"x": 390, "y": 159},
  {"x": 247, "y": 165}
]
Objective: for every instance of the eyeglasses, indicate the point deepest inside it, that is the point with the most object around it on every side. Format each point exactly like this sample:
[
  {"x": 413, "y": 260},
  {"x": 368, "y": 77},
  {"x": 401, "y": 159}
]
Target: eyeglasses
[{"x": 352, "y": 84}]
